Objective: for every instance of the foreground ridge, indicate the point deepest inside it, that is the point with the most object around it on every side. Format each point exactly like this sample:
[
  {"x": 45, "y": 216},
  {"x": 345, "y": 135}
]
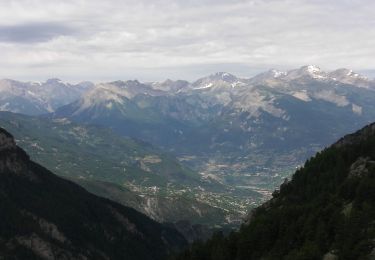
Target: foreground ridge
[{"x": 46, "y": 217}]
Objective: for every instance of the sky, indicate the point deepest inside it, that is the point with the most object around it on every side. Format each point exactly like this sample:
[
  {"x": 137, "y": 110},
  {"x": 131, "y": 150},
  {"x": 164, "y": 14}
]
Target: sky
[{"x": 151, "y": 40}]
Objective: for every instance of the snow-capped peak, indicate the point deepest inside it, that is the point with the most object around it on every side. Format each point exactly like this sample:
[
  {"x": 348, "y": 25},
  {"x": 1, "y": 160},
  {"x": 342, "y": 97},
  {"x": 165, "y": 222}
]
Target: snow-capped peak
[
  {"x": 225, "y": 76},
  {"x": 267, "y": 77},
  {"x": 348, "y": 76},
  {"x": 312, "y": 71},
  {"x": 353, "y": 74},
  {"x": 346, "y": 73},
  {"x": 217, "y": 79},
  {"x": 277, "y": 73}
]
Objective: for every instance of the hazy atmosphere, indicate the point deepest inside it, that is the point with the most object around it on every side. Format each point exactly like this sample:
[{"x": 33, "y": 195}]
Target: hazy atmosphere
[
  {"x": 154, "y": 40},
  {"x": 187, "y": 129}
]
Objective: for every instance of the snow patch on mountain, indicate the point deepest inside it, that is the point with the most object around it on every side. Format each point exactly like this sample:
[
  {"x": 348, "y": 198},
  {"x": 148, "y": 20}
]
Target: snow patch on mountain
[
  {"x": 315, "y": 72},
  {"x": 278, "y": 73},
  {"x": 208, "y": 85},
  {"x": 224, "y": 75},
  {"x": 353, "y": 74},
  {"x": 218, "y": 79},
  {"x": 236, "y": 84},
  {"x": 312, "y": 69}
]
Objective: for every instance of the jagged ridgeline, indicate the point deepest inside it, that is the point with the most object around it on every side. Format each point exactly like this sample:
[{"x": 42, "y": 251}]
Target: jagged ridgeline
[
  {"x": 45, "y": 217},
  {"x": 327, "y": 211}
]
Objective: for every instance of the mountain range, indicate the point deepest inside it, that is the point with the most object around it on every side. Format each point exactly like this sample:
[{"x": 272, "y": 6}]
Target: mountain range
[
  {"x": 35, "y": 98},
  {"x": 247, "y": 131}
]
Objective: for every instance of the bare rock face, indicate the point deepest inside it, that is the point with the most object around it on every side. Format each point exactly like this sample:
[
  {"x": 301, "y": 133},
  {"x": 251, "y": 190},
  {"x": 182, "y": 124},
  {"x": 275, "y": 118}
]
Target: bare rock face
[{"x": 361, "y": 167}]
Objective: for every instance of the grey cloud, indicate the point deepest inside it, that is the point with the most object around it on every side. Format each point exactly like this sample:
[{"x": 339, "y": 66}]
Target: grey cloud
[
  {"x": 33, "y": 32},
  {"x": 182, "y": 38}
]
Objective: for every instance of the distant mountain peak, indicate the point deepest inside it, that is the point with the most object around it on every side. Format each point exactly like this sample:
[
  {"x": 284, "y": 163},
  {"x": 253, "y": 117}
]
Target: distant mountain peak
[
  {"x": 311, "y": 71},
  {"x": 348, "y": 76},
  {"x": 104, "y": 93},
  {"x": 170, "y": 85},
  {"x": 268, "y": 76},
  {"x": 344, "y": 73},
  {"x": 225, "y": 76},
  {"x": 127, "y": 83},
  {"x": 167, "y": 81},
  {"x": 54, "y": 81},
  {"x": 311, "y": 68},
  {"x": 216, "y": 79}
]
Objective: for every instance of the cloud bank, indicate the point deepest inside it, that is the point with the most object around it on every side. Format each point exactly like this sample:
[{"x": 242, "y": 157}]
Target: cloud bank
[{"x": 153, "y": 40}]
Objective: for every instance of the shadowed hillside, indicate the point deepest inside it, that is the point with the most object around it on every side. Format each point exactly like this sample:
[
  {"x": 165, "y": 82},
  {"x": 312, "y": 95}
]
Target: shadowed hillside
[{"x": 46, "y": 217}]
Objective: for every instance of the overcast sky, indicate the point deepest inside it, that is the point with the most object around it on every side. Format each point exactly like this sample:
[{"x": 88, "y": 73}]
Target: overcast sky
[{"x": 157, "y": 39}]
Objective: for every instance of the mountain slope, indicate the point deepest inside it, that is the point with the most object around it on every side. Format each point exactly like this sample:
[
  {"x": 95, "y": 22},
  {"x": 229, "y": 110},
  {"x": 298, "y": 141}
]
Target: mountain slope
[
  {"x": 46, "y": 217},
  {"x": 131, "y": 172},
  {"x": 326, "y": 211},
  {"x": 94, "y": 152}
]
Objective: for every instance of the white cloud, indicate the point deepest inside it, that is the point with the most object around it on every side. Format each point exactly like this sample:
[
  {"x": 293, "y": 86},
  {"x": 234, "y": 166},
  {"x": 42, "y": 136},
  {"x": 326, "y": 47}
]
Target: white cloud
[{"x": 160, "y": 38}]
